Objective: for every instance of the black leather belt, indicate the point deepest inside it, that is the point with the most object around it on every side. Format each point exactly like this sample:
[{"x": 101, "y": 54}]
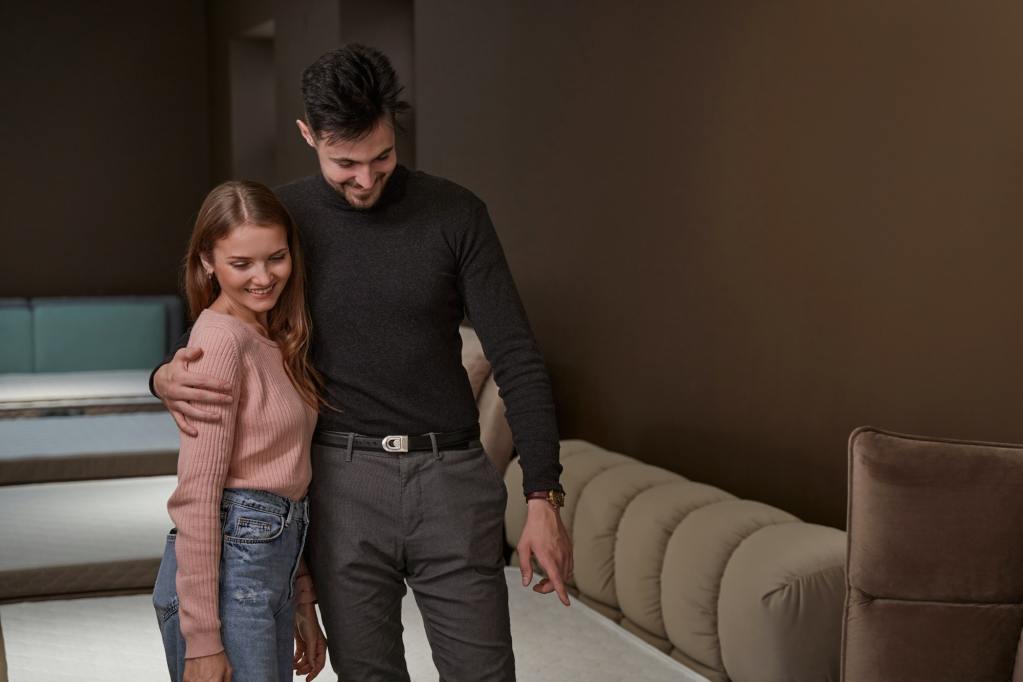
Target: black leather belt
[{"x": 445, "y": 441}]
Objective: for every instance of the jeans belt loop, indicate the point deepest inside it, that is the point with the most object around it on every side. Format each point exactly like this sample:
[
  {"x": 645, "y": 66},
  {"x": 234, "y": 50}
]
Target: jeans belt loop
[
  {"x": 433, "y": 441},
  {"x": 348, "y": 450}
]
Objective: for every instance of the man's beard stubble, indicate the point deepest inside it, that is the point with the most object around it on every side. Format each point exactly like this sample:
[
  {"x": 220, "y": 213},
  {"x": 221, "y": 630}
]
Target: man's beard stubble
[{"x": 372, "y": 199}]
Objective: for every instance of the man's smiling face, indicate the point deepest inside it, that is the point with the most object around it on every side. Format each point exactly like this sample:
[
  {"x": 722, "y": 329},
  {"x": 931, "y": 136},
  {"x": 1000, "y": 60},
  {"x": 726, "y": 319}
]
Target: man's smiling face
[{"x": 356, "y": 169}]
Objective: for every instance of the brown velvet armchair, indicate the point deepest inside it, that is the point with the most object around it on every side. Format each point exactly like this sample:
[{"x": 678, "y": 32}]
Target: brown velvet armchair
[{"x": 935, "y": 560}]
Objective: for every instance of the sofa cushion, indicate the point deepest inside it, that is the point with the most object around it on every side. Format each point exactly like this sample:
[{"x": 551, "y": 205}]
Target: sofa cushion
[
  {"x": 695, "y": 560},
  {"x": 775, "y": 578},
  {"x": 662, "y": 556},
  {"x": 601, "y": 506},
  {"x": 495, "y": 434},
  {"x": 174, "y": 312},
  {"x": 476, "y": 365},
  {"x": 588, "y": 460},
  {"x": 98, "y": 336},
  {"x": 643, "y": 536}
]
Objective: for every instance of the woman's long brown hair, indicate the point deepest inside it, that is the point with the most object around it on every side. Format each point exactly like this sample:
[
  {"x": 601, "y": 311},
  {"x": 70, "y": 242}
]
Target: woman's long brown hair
[{"x": 231, "y": 205}]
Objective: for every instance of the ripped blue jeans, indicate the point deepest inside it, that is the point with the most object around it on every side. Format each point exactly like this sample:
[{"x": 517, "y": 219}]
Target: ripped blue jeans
[{"x": 264, "y": 535}]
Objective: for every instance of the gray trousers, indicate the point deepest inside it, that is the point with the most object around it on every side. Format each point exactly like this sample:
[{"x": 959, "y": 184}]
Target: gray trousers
[{"x": 431, "y": 519}]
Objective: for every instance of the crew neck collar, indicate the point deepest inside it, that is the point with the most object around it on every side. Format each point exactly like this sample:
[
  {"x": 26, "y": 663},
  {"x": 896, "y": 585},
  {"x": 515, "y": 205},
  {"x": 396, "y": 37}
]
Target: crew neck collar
[{"x": 248, "y": 327}]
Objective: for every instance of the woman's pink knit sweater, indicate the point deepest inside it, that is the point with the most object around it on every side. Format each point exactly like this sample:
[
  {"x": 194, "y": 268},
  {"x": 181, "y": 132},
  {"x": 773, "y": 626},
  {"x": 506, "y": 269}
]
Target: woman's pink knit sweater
[{"x": 261, "y": 441}]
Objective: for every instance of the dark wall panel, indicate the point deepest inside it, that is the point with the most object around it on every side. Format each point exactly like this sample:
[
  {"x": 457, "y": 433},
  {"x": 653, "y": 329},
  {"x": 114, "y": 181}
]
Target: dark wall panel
[
  {"x": 105, "y": 153},
  {"x": 388, "y": 26},
  {"x": 302, "y": 31},
  {"x": 306, "y": 30},
  {"x": 741, "y": 229},
  {"x": 253, "y": 102}
]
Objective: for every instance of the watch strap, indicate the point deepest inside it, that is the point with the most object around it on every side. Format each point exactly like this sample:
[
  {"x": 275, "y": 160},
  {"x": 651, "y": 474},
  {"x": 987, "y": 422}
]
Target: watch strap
[{"x": 555, "y": 498}]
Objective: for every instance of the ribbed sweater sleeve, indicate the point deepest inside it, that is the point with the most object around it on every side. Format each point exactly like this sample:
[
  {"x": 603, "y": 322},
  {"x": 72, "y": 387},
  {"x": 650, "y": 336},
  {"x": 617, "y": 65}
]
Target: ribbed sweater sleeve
[{"x": 203, "y": 463}]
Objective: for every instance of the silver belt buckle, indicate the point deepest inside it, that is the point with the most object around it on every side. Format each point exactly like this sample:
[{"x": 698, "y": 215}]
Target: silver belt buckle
[{"x": 395, "y": 443}]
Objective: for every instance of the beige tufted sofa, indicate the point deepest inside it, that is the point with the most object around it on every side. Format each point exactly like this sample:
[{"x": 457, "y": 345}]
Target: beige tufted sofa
[{"x": 734, "y": 589}]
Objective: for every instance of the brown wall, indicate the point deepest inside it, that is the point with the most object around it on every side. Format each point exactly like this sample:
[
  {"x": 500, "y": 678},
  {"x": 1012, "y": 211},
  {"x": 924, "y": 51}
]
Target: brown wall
[
  {"x": 741, "y": 228},
  {"x": 388, "y": 26},
  {"x": 117, "y": 120},
  {"x": 105, "y": 147},
  {"x": 302, "y": 31}
]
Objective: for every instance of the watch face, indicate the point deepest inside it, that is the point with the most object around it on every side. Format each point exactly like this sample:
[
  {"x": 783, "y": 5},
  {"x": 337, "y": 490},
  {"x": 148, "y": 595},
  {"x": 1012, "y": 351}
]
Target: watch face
[{"x": 557, "y": 498}]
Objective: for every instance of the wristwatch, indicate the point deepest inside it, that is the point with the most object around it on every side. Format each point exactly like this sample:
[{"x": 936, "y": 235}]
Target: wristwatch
[{"x": 556, "y": 498}]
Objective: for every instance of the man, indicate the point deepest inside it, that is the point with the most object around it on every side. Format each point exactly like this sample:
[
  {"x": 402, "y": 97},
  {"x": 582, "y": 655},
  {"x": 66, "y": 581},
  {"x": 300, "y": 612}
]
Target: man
[{"x": 402, "y": 491}]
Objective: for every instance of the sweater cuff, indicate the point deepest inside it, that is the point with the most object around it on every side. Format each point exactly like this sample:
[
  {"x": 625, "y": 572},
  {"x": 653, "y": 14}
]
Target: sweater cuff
[
  {"x": 541, "y": 468},
  {"x": 152, "y": 381},
  {"x": 203, "y": 644},
  {"x": 304, "y": 591}
]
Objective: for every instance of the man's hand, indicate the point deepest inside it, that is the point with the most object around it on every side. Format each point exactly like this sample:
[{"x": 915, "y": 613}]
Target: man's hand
[
  {"x": 213, "y": 668},
  {"x": 178, "y": 388},
  {"x": 310, "y": 644},
  {"x": 545, "y": 537}
]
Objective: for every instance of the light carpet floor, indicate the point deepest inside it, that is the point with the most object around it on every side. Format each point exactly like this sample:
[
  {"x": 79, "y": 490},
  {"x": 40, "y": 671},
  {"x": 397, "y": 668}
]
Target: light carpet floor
[{"x": 115, "y": 639}]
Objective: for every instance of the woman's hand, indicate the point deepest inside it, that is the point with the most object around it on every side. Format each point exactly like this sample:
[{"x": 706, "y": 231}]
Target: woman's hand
[
  {"x": 310, "y": 644},
  {"x": 212, "y": 668}
]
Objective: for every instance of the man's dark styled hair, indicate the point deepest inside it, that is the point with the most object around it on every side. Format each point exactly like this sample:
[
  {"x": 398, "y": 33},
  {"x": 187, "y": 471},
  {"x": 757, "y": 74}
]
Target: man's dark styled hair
[{"x": 348, "y": 90}]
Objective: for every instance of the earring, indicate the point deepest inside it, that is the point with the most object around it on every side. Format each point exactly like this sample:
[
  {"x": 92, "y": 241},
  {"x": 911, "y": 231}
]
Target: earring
[{"x": 209, "y": 273}]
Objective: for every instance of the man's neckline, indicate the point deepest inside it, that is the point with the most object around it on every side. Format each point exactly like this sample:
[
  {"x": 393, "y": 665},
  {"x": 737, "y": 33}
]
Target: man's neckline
[{"x": 393, "y": 191}]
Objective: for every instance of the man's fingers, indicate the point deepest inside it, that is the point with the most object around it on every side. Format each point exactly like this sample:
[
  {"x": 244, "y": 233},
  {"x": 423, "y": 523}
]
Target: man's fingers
[
  {"x": 207, "y": 382},
  {"x": 526, "y": 564},
  {"x": 555, "y": 571},
  {"x": 559, "y": 587},
  {"x": 188, "y": 354},
  {"x": 193, "y": 412},
  {"x": 546, "y": 586},
  {"x": 183, "y": 424},
  {"x": 203, "y": 395}
]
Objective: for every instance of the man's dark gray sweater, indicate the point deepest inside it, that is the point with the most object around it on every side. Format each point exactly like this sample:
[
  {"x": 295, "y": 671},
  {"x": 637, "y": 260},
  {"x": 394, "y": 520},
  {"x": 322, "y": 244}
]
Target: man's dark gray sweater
[{"x": 387, "y": 290}]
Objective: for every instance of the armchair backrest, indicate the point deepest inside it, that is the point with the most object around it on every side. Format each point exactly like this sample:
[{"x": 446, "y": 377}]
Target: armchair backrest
[{"x": 935, "y": 560}]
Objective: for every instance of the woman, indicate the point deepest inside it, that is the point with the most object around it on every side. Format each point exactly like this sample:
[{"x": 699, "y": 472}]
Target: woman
[{"x": 227, "y": 590}]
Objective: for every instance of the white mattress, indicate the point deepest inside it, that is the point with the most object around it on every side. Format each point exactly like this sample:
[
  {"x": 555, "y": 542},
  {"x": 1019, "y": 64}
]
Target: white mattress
[
  {"x": 64, "y": 524},
  {"x": 41, "y": 449},
  {"x": 85, "y": 435},
  {"x": 116, "y": 638},
  {"x": 49, "y": 390},
  {"x": 82, "y": 537}
]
